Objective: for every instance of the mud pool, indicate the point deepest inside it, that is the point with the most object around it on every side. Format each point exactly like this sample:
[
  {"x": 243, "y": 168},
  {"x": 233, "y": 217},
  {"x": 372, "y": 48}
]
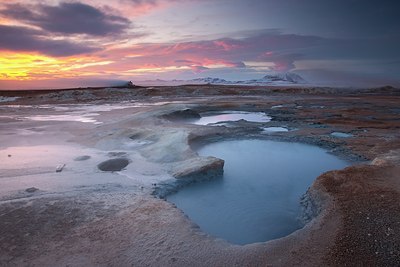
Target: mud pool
[{"x": 258, "y": 197}]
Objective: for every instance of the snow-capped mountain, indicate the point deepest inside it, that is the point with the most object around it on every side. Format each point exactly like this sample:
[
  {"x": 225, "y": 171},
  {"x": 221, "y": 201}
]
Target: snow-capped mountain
[
  {"x": 210, "y": 80},
  {"x": 286, "y": 78},
  {"x": 269, "y": 79}
]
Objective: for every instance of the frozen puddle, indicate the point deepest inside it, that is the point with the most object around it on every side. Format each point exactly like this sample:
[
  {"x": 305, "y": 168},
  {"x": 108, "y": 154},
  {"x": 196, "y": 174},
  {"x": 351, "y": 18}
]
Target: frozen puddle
[
  {"x": 257, "y": 199},
  {"x": 230, "y": 116}
]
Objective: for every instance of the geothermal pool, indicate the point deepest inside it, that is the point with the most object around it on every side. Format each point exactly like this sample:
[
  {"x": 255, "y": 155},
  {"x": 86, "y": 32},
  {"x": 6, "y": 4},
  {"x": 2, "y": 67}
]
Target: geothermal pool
[{"x": 258, "y": 197}]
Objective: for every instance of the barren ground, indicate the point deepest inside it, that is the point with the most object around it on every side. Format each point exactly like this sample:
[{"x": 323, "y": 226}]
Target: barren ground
[{"x": 82, "y": 216}]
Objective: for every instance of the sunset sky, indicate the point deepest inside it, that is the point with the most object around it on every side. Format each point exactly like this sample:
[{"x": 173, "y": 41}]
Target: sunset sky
[{"x": 52, "y": 43}]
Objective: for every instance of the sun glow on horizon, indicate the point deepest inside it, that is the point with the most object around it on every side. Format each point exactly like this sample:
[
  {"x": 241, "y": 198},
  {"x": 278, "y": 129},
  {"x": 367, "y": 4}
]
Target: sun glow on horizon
[
  {"x": 33, "y": 66},
  {"x": 21, "y": 66}
]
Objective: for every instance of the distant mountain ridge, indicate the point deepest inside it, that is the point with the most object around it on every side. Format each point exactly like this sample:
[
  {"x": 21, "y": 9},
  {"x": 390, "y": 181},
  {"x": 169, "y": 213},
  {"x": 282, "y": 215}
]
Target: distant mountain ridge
[
  {"x": 276, "y": 78},
  {"x": 285, "y": 78}
]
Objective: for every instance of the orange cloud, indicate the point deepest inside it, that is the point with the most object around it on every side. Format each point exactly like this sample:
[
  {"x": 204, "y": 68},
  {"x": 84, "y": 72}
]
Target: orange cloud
[{"x": 4, "y": 21}]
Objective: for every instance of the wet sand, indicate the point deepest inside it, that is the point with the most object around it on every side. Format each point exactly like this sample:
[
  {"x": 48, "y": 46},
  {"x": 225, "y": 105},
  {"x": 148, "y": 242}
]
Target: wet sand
[{"x": 83, "y": 216}]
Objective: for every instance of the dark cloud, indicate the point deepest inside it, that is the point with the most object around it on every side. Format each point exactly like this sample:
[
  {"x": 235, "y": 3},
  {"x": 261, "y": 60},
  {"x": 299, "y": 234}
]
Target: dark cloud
[
  {"x": 198, "y": 69},
  {"x": 25, "y": 39},
  {"x": 238, "y": 65},
  {"x": 266, "y": 46},
  {"x": 68, "y": 18},
  {"x": 262, "y": 47}
]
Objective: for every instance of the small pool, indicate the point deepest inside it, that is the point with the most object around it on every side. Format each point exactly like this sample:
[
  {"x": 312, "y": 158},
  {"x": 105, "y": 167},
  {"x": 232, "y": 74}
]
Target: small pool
[
  {"x": 275, "y": 129},
  {"x": 230, "y": 116},
  {"x": 341, "y": 135},
  {"x": 257, "y": 199}
]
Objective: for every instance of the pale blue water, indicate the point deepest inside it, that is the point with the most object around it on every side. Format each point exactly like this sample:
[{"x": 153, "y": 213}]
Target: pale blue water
[
  {"x": 341, "y": 135},
  {"x": 257, "y": 199},
  {"x": 275, "y": 129}
]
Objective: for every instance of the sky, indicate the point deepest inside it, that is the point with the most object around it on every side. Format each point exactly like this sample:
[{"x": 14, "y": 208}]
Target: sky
[{"x": 61, "y": 44}]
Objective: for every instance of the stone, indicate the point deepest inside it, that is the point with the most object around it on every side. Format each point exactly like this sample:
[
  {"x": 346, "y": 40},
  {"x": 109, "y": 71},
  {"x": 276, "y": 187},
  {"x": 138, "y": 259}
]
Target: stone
[
  {"x": 31, "y": 189},
  {"x": 81, "y": 158},
  {"x": 130, "y": 84},
  {"x": 113, "y": 165},
  {"x": 200, "y": 166},
  {"x": 60, "y": 167}
]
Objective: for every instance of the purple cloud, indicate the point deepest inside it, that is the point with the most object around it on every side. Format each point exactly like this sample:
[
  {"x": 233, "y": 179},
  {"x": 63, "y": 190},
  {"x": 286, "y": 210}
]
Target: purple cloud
[
  {"x": 268, "y": 46},
  {"x": 198, "y": 69},
  {"x": 25, "y": 39},
  {"x": 68, "y": 18}
]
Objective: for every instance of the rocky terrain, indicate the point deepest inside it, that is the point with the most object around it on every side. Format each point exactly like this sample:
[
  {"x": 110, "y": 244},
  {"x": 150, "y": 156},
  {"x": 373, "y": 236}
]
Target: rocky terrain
[{"x": 123, "y": 148}]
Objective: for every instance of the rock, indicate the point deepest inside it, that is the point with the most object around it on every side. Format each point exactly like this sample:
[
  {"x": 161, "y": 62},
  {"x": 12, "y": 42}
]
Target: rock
[
  {"x": 194, "y": 167},
  {"x": 136, "y": 136},
  {"x": 31, "y": 189},
  {"x": 60, "y": 167},
  {"x": 390, "y": 158},
  {"x": 170, "y": 147},
  {"x": 81, "y": 158},
  {"x": 310, "y": 207},
  {"x": 113, "y": 165},
  {"x": 130, "y": 85}
]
